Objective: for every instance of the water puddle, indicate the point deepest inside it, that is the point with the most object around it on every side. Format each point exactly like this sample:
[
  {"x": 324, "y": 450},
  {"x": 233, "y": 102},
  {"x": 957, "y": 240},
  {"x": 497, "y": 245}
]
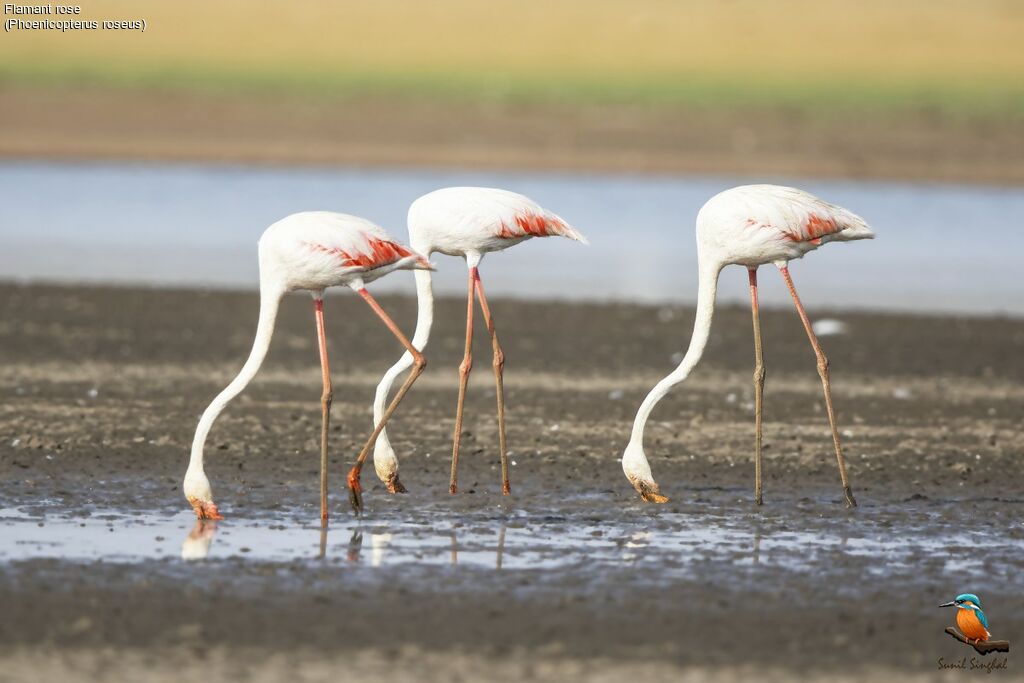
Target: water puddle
[{"x": 675, "y": 544}]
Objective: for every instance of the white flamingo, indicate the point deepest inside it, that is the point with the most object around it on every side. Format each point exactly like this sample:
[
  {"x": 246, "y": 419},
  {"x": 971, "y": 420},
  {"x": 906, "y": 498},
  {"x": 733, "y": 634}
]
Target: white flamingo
[
  {"x": 750, "y": 226},
  {"x": 467, "y": 222},
  {"x": 311, "y": 251}
]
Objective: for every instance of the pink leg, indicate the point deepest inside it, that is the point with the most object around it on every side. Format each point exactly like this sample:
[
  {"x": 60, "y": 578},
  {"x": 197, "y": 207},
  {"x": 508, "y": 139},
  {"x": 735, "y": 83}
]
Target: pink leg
[
  {"x": 325, "y": 405},
  {"x": 419, "y": 363},
  {"x": 499, "y": 372},
  {"x": 464, "y": 369},
  {"x": 758, "y": 384},
  {"x": 823, "y": 372}
]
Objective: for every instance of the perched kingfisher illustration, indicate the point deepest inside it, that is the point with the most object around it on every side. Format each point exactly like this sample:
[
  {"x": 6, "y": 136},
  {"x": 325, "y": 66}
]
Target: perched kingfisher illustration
[{"x": 969, "y": 617}]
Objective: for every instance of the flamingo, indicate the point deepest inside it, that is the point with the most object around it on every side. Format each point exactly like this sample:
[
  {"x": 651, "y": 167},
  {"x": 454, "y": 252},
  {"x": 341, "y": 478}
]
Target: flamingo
[
  {"x": 468, "y": 222},
  {"x": 750, "y": 226},
  {"x": 310, "y": 251}
]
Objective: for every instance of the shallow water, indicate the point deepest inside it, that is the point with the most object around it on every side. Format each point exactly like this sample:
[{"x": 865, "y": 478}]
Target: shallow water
[
  {"x": 673, "y": 544},
  {"x": 939, "y": 247}
]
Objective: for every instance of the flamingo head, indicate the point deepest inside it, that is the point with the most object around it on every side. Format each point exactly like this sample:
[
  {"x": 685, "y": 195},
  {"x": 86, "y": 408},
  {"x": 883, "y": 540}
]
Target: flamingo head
[
  {"x": 638, "y": 472},
  {"x": 199, "y": 495},
  {"x": 385, "y": 464}
]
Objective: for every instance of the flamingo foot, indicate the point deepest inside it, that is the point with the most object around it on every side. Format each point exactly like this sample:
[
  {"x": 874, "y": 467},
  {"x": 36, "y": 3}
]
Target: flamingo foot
[
  {"x": 355, "y": 490},
  {"x": 393, "y": 485},
  {"x": 506, "y": 489},
  {"x": 205, "y": 509}
]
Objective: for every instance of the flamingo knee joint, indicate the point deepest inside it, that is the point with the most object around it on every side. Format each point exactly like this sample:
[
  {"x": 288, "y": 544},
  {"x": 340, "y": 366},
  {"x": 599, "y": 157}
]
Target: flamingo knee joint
[{"x": 759, "y": 374}]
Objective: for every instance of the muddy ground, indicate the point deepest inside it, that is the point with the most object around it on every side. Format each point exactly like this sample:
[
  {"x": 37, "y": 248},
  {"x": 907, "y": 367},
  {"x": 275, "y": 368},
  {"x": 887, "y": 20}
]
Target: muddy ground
[
  {"x": 102, "y": 388},
  {"x": 40, "y": 122}
]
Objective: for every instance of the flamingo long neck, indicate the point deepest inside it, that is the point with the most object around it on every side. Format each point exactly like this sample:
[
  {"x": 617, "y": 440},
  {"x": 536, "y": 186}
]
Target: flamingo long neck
[
  {"x": 424, "y": 320},
  {"x": 701, "y": 329},
  {"x": 270, "y": 299}
]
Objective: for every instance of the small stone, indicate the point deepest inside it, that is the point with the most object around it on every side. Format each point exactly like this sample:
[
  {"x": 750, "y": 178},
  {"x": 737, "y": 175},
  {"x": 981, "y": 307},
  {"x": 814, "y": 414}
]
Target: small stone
[{"x": 827, "y": 327}]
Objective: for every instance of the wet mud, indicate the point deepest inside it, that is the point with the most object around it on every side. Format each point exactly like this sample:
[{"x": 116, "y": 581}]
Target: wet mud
[{"x": 104, "y": 575}]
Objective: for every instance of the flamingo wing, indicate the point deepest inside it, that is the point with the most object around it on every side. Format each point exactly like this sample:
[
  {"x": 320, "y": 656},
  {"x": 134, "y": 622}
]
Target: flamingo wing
[
  {"x": 353, "y": 242},
  {"x": 372, "y": 252},
  {"x": 509, "y": 215},
  {"x": 800, "y": 216},
  {"x": 534, "y": 222}
]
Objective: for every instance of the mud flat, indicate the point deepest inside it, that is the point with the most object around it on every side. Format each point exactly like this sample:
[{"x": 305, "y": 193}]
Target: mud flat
[{"x": 103, "y": 575}]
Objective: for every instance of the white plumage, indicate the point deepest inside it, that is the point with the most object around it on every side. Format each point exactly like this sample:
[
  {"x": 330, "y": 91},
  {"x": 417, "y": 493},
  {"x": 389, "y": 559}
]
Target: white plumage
[
  {"x": 311, "y": 251},
  {"x": 459, "y": 221},
  {"x": 314, "y": 250},
  {"x": 751, "y": 225},
  {"x": 467, "y": 222}
]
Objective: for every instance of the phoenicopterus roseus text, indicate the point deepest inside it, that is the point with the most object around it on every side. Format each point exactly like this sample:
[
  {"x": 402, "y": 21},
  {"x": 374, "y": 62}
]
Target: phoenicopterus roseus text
[
  {"x": 750, "y": 226},
  {"x": 467, "y": 222},
  {"x": 312, "y": 251}
]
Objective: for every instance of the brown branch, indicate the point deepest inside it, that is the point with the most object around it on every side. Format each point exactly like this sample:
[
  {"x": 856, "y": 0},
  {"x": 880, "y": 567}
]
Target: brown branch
[{"x": 984, "y": 647}]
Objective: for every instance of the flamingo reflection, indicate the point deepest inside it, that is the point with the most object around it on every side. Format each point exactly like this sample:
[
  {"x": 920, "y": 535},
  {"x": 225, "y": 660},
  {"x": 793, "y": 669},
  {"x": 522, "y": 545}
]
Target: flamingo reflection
[{"x": 197, "y": 544}]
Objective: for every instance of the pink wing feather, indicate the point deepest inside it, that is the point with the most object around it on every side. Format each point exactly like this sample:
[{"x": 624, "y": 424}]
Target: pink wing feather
[
  {"x": 802, "y": 217},
  {"x": 376, "y": 253},
  {"x": 532, "y": 224}
]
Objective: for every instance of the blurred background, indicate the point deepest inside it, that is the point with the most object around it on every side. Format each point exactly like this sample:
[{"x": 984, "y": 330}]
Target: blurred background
[{"x": 158, "y": 156}]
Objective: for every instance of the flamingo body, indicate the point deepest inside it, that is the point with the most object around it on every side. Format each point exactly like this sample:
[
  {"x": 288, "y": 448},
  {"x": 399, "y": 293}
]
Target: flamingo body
[
  {"x": 753, "y": 225},
  {"x": 463, "y": 221},
  {"x": 315, "y": 250},
  {"x": 468, "y": 222},
  {"x": 304, "y": 251},
  {"x": 750, "y": 225}
]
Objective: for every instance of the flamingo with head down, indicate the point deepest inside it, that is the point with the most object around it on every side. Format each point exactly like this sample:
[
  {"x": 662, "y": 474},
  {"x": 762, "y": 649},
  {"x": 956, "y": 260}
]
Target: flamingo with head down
[
  {"x": 750, "y": 226},
  {"x": 310, "y": 251},
  {"x": 469, "y": 222}
]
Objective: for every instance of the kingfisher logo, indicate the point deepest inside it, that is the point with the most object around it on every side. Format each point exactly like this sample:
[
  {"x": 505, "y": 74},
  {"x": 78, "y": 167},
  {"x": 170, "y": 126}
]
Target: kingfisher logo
[{"x": 972, "y": 626}]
